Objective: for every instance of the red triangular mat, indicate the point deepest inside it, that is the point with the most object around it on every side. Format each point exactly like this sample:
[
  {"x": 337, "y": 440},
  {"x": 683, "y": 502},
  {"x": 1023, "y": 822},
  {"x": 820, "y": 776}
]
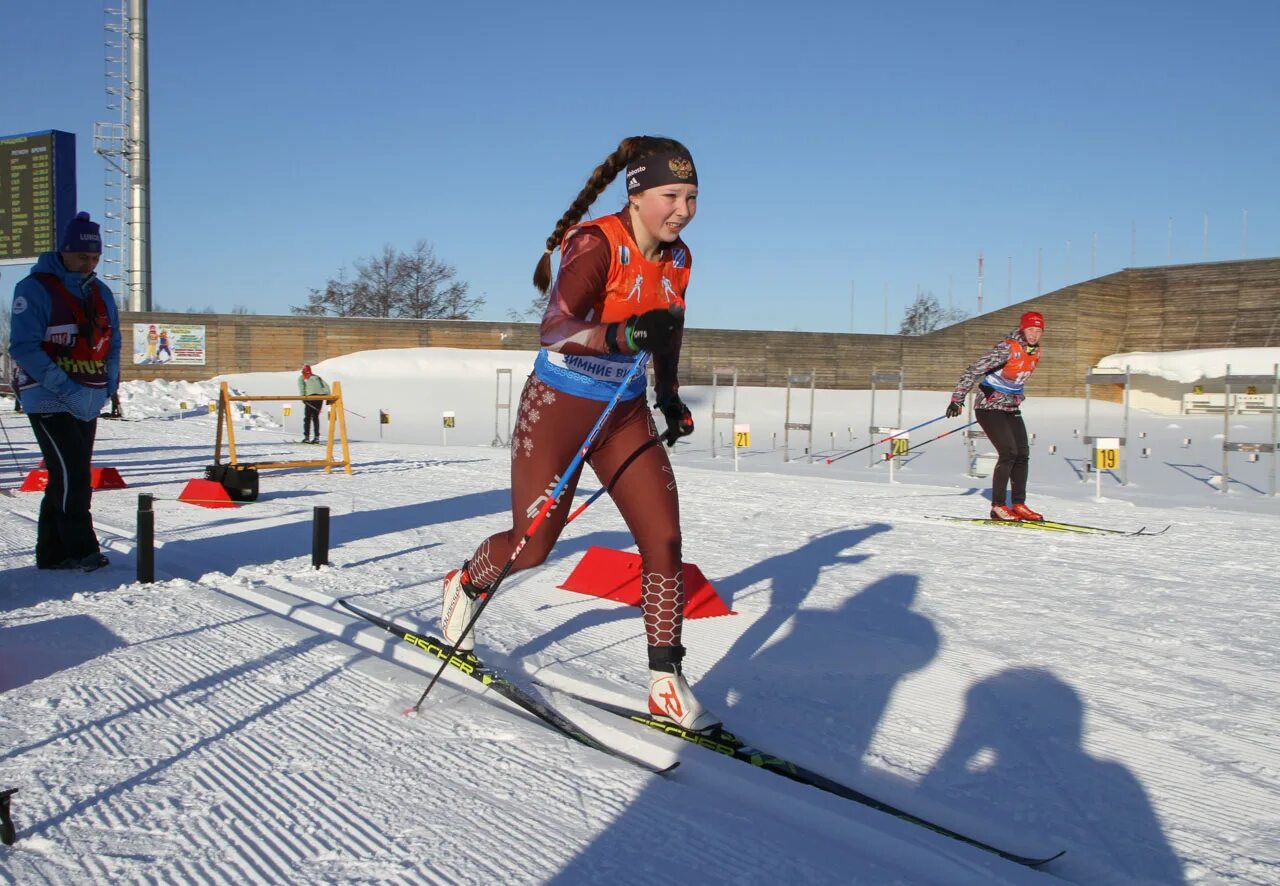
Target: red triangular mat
[
  {"x": 615, "y": 575},
  {"x": 100, "y": 478}
]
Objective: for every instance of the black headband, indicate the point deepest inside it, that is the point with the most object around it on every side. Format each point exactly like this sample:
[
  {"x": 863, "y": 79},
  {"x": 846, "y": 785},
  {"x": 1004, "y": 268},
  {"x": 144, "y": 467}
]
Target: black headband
[{"x": 661, "y": 169}]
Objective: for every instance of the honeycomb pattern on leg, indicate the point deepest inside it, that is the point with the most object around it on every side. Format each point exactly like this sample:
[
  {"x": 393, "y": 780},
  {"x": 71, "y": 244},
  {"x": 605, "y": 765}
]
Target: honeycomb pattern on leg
[{"x": 662, "y": 601}]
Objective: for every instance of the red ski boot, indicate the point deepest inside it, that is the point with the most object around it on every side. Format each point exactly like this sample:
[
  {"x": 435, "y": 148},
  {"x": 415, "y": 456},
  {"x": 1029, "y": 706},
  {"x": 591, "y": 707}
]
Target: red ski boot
[
  {"x": 1025, "y": 513},
  {"x": 1003, "y": 514}
]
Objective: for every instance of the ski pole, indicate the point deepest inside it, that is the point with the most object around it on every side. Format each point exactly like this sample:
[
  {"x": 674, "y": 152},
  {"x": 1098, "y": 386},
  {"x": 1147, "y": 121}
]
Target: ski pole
[
  {"x": 609, "y": 486},
  {"x": 637, "y": 366},
  {"x": 885, "y": 440},
  {"x": 916, "y": 446}
]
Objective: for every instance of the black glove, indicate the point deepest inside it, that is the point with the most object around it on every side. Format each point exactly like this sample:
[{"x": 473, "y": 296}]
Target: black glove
[
  {"x": 679, "y": 419},
  {"x": 953, "y": 409},
  {"x": 655, "y": 331}
]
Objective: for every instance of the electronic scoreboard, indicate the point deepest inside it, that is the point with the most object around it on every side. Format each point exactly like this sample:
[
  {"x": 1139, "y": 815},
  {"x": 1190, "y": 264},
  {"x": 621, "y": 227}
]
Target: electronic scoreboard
[{"x": 37, "y": 192}]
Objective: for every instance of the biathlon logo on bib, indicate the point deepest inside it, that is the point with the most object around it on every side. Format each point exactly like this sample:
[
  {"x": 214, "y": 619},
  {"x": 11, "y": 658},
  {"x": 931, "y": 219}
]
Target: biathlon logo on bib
[{"x": 668, "y": 291}]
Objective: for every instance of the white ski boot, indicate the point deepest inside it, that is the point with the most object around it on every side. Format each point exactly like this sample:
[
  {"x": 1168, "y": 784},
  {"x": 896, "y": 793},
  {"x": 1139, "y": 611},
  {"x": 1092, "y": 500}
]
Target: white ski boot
[
  {"x": 458, "y": 606},
  {"x": 670, "y": 697}
]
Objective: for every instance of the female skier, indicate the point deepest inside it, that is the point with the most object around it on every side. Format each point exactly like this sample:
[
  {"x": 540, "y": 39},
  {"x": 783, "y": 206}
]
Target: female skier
[
  {"x": 620, "y": 291},
  {"x": 1004, "y": 370}
]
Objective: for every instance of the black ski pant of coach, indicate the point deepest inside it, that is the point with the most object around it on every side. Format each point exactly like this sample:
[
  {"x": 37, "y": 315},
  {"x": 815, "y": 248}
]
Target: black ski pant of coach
[
  {"x": 1008, "y": 435},
  {"x": 311, "y": 419},
  {"x": 65, "y": 528}
]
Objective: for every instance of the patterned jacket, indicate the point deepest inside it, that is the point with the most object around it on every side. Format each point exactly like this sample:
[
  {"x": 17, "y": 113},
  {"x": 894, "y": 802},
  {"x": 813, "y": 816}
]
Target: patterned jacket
[{"x": 991, "y": 362}]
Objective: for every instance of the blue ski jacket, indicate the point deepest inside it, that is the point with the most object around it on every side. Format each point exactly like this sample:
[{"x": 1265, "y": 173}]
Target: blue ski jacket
[{"x": 30, "y": 315}]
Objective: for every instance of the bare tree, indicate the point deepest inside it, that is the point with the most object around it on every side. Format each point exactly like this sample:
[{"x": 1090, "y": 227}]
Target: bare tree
[
  {"x": 429, "y": 288},
  {"x": 412, "y": 284},
  {"x": 382, "y": 277},
  {"x": 532, "y": 313},
  {"x": 337, "y": 298},
  {"x": 925, "y": 315}
]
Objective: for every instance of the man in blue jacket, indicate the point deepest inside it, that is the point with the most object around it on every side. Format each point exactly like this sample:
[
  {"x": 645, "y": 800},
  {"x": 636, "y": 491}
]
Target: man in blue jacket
[{"x": 65, "y": 339}]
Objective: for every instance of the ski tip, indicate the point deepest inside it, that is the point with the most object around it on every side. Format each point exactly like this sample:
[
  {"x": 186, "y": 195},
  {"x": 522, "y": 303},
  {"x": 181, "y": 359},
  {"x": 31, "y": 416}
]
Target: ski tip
[{"x": 1040, "y": 862}]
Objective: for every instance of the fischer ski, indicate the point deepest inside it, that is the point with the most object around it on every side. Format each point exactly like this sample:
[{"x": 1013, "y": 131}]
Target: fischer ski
[
  {"x": 1102, "y": 530},
  {"x": 473, "y": 667},
  {"x": 724, "y": 742},
  {"x": 1051, "y": 526}
]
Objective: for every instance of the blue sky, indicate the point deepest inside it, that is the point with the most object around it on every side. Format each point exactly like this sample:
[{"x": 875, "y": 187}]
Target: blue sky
[{"x": 839, "y": 145}]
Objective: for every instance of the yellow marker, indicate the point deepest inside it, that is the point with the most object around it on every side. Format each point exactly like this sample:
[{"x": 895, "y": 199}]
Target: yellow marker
[
  {"x": 900, "y": 446},
  {"x": 1106, "y": 459}
]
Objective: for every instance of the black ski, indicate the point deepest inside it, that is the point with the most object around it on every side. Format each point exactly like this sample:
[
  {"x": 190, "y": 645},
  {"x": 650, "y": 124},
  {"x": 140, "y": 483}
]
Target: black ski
[
  {"x": 724, "y": 742},
  {"x": 473, "y": 667}
]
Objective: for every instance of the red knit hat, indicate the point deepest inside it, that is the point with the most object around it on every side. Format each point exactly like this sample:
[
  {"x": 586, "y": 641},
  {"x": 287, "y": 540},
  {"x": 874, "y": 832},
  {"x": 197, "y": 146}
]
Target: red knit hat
[
  {"x": 306, "y": 370},
  {"x": 1030, "y": 319}
]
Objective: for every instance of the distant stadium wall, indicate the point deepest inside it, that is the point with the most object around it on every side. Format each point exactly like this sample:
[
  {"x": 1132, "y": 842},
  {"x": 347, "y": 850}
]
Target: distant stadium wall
[{"x": 1178, "y": 307}]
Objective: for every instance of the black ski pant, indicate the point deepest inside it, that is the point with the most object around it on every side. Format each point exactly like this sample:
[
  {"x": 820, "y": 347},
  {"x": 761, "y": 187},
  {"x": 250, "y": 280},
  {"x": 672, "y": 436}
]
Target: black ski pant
[
  {"x": 311, "y": 419},
  {"x": 1008, "y": 435},
  {"x": 65, "y": 528}
]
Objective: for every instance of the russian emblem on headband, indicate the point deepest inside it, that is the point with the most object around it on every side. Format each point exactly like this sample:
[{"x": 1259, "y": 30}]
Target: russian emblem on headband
[{"x": 681, "y": 167}]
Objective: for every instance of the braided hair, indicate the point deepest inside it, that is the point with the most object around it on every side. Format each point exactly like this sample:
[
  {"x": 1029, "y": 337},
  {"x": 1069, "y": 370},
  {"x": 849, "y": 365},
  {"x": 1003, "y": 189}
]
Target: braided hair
[{"x": 636, "y": 147}]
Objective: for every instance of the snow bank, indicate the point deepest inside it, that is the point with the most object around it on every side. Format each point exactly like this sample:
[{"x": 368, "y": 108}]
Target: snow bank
[{"x": 1191, "y": 366}]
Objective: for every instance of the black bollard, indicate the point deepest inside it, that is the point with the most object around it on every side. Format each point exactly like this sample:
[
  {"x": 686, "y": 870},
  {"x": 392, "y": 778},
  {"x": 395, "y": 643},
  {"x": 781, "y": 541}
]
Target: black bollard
[
  {"x": 319, "y": 536},
  {"x": 146, "y": 540},
  {"x": 7, "y": 831}
]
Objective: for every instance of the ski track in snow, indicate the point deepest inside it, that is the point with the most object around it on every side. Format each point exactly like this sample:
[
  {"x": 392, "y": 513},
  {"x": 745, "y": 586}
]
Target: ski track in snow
[{"x": 1110, "y": 696}]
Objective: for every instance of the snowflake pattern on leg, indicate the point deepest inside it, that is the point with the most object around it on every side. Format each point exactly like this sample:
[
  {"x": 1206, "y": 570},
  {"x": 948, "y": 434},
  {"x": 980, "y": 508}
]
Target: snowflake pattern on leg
[{"x": 535, "y": 394}]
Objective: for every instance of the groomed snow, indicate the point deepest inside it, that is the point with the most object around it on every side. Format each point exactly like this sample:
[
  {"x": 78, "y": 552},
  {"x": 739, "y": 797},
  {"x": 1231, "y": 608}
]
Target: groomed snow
[{"x": 1113, "y": 697}]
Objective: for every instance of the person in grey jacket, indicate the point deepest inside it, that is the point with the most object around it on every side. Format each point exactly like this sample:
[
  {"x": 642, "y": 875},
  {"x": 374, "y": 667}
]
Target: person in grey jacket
[
  {"x": 64, "y": 337},
  {"x": 311, "y": 385}
]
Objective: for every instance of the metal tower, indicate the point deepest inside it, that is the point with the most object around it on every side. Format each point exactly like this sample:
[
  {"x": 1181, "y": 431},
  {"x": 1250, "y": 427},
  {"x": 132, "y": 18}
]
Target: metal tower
[
  {"x": 110, "y": 141},
  {"x": 125, "y": 146}
]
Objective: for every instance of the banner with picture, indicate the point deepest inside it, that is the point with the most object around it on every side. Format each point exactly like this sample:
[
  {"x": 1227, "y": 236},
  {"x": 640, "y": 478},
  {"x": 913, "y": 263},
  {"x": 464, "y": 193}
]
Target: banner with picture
[{"x": 159, "y": 344}]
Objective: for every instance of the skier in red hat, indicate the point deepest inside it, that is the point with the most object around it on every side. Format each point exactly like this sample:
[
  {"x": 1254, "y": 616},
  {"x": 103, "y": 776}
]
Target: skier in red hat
[{"x": 1004, "y": 371}]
